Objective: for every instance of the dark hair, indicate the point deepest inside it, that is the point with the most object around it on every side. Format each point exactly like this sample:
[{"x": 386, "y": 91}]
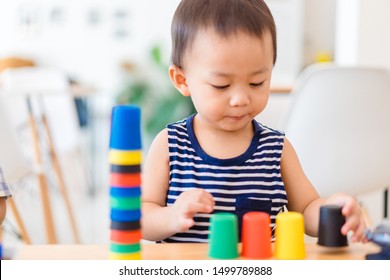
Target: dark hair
[{"x": 226, "y": 17}]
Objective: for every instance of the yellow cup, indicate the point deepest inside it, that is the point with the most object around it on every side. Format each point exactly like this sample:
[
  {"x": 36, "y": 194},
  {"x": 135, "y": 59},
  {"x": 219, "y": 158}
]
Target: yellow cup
[
  {"x": 289, "y": 234},
  {"x": 124, "y": 256}
]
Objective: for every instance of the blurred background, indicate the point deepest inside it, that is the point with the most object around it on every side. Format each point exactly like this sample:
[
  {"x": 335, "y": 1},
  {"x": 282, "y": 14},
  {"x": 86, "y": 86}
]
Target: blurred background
[{"x": 117, "y": 52}]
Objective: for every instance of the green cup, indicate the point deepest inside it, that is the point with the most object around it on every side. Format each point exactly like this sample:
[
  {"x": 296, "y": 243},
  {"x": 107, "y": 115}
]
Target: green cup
[{"x": 223, "y": 237}]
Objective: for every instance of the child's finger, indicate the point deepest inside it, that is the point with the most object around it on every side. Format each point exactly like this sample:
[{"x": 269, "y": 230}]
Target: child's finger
[
  {"x": 350, "y": 224},
  {"x": 347, "y": 207},
  {"x": 208, "y": 199},
  {"x": 185, "y": 224},
  {"x": 359, "y": 232},
  {"x": 198, "y": 207}
]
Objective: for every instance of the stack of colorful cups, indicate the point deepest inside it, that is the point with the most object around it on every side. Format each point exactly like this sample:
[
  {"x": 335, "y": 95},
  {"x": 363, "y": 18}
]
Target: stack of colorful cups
[{"x": 125, "y": 157}]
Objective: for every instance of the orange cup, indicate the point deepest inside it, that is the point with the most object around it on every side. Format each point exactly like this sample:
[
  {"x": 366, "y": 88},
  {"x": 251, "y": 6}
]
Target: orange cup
[
  {"x": 256, "y": 235},
  {"x": 124, "y": 179},
  {"x": 126, "y": 236}
]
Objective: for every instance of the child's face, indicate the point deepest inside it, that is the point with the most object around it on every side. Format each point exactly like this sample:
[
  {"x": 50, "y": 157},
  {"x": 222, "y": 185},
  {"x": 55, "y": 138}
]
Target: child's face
[{"x": 228, "y": 79}]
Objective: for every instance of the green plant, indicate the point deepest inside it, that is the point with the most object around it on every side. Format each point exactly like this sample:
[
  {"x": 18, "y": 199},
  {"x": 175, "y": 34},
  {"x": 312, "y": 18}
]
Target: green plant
[{"x": 158, "y": 108}]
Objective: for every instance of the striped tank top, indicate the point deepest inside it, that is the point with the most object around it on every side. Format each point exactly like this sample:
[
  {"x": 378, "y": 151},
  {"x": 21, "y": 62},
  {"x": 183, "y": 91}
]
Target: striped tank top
[{"x": 249, "y": 182}]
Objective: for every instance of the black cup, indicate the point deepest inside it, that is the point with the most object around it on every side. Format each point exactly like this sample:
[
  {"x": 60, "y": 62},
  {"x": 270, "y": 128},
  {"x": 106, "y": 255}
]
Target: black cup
[{"x": 329, "y": 230}]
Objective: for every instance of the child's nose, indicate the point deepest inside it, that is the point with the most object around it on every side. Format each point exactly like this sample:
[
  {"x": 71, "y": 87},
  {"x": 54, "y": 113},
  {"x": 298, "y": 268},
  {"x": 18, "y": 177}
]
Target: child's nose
[{"x": 239, "y": 98}]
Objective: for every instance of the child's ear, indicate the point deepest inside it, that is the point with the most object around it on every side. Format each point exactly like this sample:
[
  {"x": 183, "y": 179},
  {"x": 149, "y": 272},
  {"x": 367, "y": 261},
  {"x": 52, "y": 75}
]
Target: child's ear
[{"x": 178, "y": 79}]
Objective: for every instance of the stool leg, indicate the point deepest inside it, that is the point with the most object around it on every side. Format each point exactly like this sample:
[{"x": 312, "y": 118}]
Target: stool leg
[
  {"x": 385, "y": 203},
  {"x": 19, "y": 222},
  {"x": 42, "y": 179},
  {"x": 57, "y": 169}
]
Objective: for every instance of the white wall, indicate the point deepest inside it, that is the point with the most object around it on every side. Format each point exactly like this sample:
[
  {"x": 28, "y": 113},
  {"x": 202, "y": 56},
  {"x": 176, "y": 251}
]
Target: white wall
[
  {"x": 289, "y": 20},
  {"x": 363, "y": 33},
  {"x": 319, "y": 29},
  {"x": 374, "y": 31},
  {"x": 92, "y": 53},
  {"x": 89, "y": 52}
]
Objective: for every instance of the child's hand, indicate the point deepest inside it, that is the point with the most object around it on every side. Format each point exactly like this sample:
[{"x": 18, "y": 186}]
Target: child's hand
[
  {"x": 187, "y": 205},
  {"x": 353, "y": 216}
]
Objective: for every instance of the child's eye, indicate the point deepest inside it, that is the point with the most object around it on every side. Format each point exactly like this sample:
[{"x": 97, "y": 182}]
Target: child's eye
[
  {"x": 256, "y": 84},
  {"x": 220, "y": 87}
]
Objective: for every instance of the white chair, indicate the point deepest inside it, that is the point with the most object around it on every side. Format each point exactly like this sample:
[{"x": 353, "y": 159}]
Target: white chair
[
  {"x": 13, "y": 163},
  {"x": 339, "y": 125},
  {"x": 49, "y": 88}
]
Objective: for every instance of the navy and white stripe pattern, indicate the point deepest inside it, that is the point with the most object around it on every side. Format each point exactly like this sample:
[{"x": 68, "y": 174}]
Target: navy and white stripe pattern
[{"x": 249, "y": 182}]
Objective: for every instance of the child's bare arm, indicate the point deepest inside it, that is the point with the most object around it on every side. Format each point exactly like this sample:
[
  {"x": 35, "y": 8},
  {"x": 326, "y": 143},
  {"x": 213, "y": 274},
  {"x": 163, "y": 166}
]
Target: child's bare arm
[
  {"x": 155, "y": 178},
  {"x": 158, "y": 220},
  {"x": 303, "y": 198}
]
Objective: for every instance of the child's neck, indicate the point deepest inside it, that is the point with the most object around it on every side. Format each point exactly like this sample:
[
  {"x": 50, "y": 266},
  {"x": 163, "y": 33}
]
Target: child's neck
[{"x": 223, "y": 144}]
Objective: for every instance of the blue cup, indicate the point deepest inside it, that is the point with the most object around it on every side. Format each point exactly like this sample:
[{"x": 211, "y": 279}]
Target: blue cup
[
  {"x": 125, "y": 215},
  {"x": 126, "y": 128},
  {"x": 125, "y": 192}
]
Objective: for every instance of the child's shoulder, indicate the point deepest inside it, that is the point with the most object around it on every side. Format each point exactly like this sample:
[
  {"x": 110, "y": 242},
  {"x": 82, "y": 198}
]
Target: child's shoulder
[
  {"x": 264, "y": 129},
  {"x": 182, "y": 127},
  {"x": 180, "y": 123}
]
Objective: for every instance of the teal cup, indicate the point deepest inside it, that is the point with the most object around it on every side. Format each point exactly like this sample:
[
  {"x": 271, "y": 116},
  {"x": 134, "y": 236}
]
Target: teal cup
[{"x": 223, "y": 237}]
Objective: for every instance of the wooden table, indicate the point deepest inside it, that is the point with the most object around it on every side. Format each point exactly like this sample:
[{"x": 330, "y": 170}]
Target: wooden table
[{"x": 176, "y": 251}]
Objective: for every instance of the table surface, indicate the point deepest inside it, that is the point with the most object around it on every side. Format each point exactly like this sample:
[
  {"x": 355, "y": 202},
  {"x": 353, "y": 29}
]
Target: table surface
[{"x": 177, "y": 251}]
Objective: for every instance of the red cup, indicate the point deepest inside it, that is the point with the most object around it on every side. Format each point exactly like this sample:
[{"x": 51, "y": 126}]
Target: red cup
[{"x": 256, "y": 235}]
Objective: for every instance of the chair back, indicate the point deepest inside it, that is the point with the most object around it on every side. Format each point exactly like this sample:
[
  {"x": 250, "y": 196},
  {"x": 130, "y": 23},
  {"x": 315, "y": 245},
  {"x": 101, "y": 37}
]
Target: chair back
[
  {"x": 48, "y": 89},
  {"x": 339, "y": 125}
]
